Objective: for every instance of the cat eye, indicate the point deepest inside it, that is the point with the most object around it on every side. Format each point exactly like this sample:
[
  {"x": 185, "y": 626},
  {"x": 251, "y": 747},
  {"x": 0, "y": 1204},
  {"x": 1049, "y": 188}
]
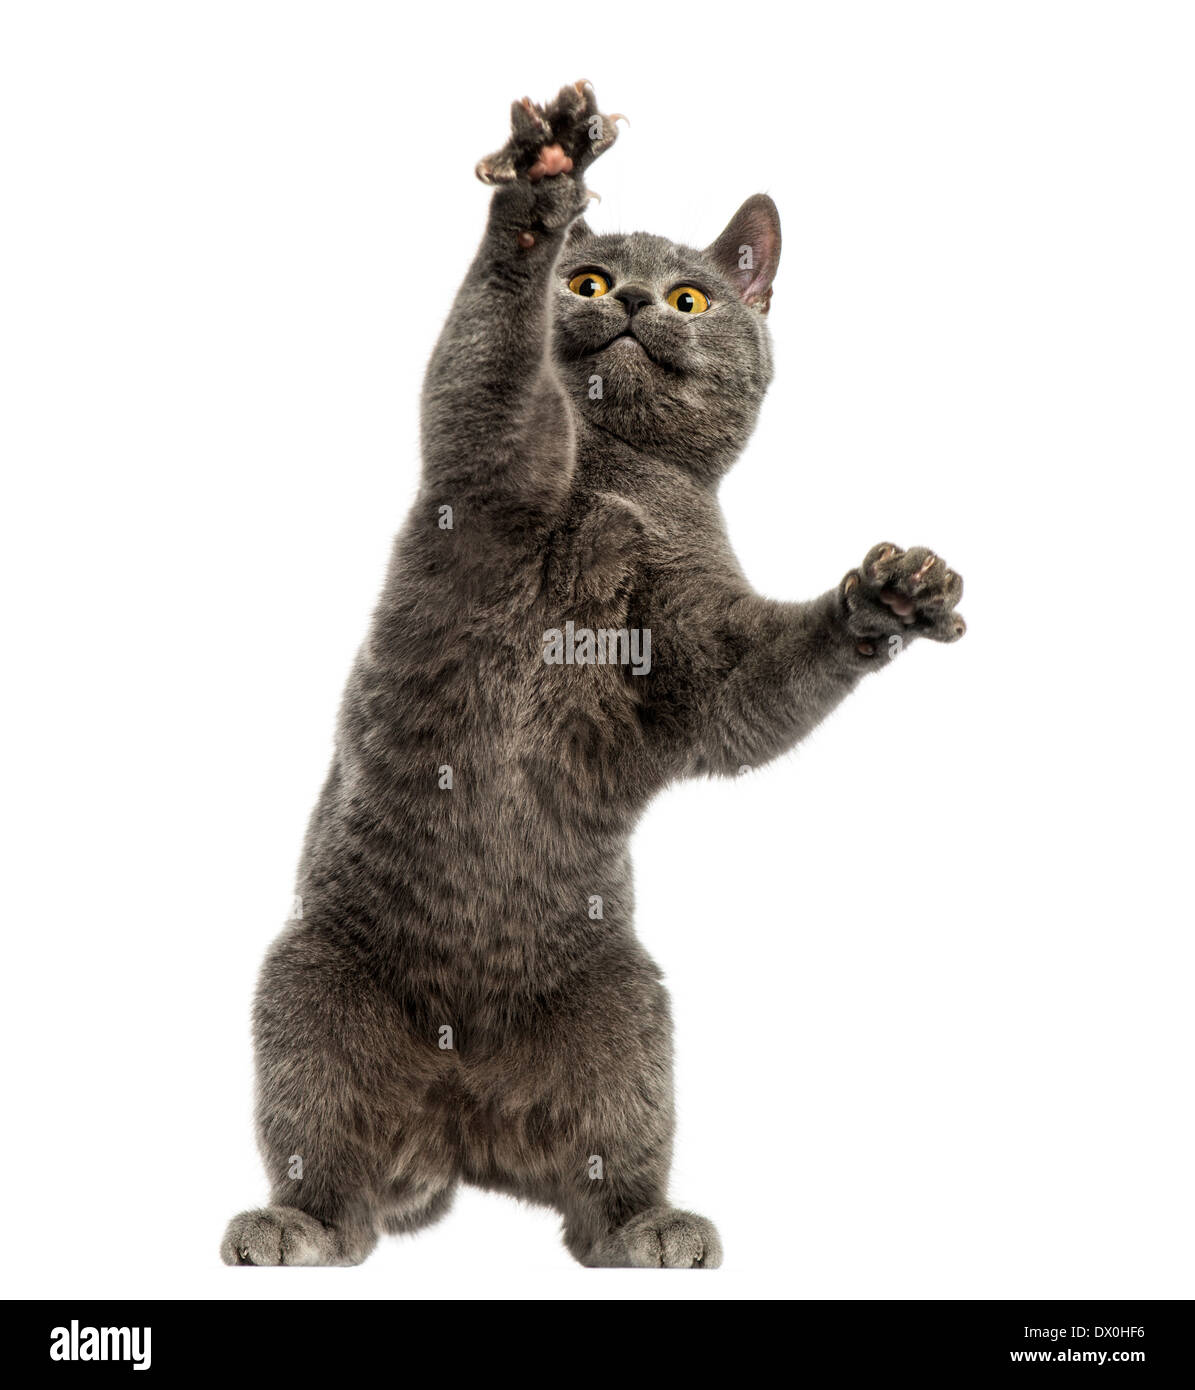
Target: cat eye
[
  {"x": 687, "y": 299},
  {"x": 589, "y": 285}
]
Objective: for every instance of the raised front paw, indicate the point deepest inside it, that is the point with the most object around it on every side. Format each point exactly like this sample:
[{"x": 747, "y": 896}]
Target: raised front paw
[
  {"x": 905, "y": 593},
  {"x": 551, "y": 146}
]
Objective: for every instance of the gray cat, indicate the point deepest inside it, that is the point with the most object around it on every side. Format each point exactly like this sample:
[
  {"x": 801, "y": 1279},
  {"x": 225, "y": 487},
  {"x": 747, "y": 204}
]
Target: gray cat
[{"x": 563, "y": 632}]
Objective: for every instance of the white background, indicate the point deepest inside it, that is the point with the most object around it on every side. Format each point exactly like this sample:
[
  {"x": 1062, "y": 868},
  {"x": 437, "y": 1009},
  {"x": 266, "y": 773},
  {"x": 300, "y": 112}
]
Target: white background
[{"x": 932, "y": 973}]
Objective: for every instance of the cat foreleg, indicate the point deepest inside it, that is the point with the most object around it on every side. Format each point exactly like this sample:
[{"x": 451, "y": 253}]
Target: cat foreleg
[
  {"x": 496, "y": 423},
  {"x": 790, "y": 664}
]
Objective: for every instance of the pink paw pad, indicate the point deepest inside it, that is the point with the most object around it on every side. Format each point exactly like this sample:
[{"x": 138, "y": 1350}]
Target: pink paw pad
[{"x": 552, "y": 160}]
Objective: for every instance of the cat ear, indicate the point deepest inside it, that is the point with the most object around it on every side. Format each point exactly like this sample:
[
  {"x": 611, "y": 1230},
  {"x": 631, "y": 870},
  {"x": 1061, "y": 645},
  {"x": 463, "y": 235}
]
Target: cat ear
[
  {"x": 748, "y": 251},
  {"x": 579, "y": 231}
]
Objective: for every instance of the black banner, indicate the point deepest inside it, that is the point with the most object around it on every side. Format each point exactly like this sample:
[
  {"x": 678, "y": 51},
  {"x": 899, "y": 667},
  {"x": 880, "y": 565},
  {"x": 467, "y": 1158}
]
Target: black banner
[{"x": 933, "y": 1341}]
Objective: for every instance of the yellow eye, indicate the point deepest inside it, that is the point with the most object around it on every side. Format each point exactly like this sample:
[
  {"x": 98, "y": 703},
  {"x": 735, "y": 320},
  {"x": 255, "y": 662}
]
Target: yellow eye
[
  {"x": 589, "y": 284},
  {"x": 688, "y": 300}
]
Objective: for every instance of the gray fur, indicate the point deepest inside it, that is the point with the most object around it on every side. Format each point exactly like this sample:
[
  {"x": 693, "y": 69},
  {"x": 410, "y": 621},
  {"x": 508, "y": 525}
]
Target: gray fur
[{"x": 472, "y": 908}]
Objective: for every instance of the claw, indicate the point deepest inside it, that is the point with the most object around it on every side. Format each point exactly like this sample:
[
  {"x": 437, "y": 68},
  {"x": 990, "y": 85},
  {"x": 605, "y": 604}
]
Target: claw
[
  {"x": 618, "y": 116},
  {"x": 925, "y": 569},
  {"x": 884, "y": 555},
  {"x": 492, "y": 174},
  {"x": 597, "y": 197},
  {"x": 526, "y": 117}
]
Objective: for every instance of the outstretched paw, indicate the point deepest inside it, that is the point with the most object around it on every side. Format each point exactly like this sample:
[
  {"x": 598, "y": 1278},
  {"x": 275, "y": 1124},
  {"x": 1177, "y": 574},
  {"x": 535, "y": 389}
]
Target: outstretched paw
[
  {"x": 552, "y": 145},
  {"x": 910, "y": 593}
]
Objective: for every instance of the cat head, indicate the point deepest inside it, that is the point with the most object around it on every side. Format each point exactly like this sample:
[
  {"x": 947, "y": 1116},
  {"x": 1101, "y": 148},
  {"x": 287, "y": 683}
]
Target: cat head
[{"x": 667, "y": 347}]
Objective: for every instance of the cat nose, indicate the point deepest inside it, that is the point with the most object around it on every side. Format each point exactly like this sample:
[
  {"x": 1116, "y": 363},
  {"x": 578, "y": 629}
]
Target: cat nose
[{"x": 634, "y": 297}]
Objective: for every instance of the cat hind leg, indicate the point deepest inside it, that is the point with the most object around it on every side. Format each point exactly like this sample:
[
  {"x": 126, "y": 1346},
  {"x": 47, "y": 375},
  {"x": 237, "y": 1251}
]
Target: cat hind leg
[{"x": 412, "y": 1213}]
